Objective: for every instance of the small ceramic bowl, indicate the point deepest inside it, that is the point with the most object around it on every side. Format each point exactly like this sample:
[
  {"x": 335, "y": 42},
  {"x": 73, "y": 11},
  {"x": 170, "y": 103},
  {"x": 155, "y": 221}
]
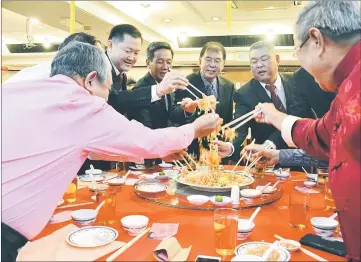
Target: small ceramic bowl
[
  {"x": 250, "y": 193},
  {"x": 289, "y": 245},
  {"x": 309, "y": 183},
  {"x": 268, "y": 190},
  {"x": 244, "y": 229},
  {"x": 134, "y": 224},
  {"x": 282, "y": 175},
  {"x": 198, "y": 200},
  {"x": 94, "y": 172},
  {"x": 226, "y": 200},
  {"x": 324, "y": 226},
  {"x": 84, "y": 217}
]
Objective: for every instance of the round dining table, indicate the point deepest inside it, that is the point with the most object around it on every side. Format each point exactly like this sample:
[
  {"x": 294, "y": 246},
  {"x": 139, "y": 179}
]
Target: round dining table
[{"x": 196, "y": 226}]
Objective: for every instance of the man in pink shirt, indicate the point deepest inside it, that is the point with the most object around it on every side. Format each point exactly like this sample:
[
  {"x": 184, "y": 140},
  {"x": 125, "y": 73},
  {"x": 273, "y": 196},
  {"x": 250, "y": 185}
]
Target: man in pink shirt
[{"x": 56, "y": 122}]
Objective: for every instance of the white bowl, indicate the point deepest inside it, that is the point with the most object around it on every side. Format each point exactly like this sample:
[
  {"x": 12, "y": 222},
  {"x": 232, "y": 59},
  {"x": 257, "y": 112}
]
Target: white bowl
[
  {"x": 226, "y": 200},
  {"x": 198, "y": 200},
  {"x": 324, "y": 226},
  {"x": 309, "y": 183},
  {"x": 268, "y": 190},
  {"x": 244, "y": 229},
  {"x": 118, "y": 181},
  {"x": 284, "y": 242},
  {"x": 84, "y": 217},
  {"x": 282, "y": 174},
  {"x": 93, "y": 172},
  {"x": 250, "y": 193},
  {"x": 246, "y": 258},
  {"x": 134, "y": 224}
]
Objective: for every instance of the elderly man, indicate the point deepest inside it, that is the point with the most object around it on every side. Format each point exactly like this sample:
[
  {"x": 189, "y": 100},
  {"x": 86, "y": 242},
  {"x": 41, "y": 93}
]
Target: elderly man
[
  {"x": 328, "y": 47},
  {"x": 66, "y": 117},
  {"x": 208, "y": 80}
]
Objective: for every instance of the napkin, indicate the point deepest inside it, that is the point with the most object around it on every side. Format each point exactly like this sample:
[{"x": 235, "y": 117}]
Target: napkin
[
  {"x": 161, "y": 231},
  {"x": 170, "y": 250},
  {"x": 55, "y": 248}
]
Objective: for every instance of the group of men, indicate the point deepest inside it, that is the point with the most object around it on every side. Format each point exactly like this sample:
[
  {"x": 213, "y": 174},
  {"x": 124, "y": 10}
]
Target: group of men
[{"x": 79, "y": 106}]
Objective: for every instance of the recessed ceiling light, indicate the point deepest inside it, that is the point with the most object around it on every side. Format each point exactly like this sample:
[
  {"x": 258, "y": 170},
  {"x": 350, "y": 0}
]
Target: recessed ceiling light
[
  {"x": 145, "y": 5},
  {"x": 167, "y": 20},
  {"x": 34, "y": 20},
  {"x": 215, "y": 18}
]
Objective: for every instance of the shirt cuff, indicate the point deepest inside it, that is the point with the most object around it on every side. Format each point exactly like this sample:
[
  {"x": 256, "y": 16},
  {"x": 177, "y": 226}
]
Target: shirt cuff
[
  {"x": 286, "y": 129},
  {"x": 232, "y": 149},
  {"x": 270, "y": 144},
  {"x": 155, "y": 97}
]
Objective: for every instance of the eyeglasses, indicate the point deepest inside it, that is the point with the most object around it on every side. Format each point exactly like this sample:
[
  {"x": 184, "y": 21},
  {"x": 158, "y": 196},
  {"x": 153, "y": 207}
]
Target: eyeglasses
[{"x": 300, "y": 46}]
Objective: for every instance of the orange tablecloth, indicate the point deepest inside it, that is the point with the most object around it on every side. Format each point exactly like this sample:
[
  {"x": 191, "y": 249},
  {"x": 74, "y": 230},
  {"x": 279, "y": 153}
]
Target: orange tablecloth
[{"x": 196, "y": 227}]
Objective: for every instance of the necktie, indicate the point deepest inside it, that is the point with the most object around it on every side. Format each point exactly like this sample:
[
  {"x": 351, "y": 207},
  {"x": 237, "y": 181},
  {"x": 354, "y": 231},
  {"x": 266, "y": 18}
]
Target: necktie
[
  {"x": 209, "y": 90},
  {"x": 275, "y": 99}
]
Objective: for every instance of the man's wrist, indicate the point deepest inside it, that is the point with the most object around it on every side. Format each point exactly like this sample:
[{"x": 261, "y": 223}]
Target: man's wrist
[{"x": 278, "y": 119}]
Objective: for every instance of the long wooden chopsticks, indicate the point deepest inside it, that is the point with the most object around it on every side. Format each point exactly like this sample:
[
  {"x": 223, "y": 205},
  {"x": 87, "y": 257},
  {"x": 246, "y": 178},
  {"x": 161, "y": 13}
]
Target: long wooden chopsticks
[
  {"x": 256, "y": 160},
  {"x": 75, "y": 205},
  {"x": 239, "y": 161},
  {"x": 126, "y": 246},
  {"x": 307, "y": 252}
]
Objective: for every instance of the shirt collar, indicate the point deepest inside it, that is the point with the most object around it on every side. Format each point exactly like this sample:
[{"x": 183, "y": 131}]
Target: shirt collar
[
  {"x": 348, "y": 63},
  {"x": 117, "y": 72},
  {"x": 277, "y": 83},
  {"x": 206, "y": 82}
]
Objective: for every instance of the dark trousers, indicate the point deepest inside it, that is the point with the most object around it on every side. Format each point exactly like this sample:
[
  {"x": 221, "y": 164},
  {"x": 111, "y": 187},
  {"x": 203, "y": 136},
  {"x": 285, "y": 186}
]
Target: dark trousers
[{"x": 11, "y": 241}]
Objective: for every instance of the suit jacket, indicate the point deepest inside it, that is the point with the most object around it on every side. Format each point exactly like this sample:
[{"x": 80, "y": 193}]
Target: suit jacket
[
  {"x": 155, "y": 115},
  {"x": 309, "y": 100},
  {"x": 246, "y": 99},
  {"x": 224, "y": 108},
  {"x": 122, "y": 100}
]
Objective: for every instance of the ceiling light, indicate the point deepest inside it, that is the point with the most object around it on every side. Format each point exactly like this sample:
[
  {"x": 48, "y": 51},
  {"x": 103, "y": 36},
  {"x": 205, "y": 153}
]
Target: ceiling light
[
  {"x": 145, "y": 5},
  {"x": 167, "y": 20},
  {"x": 215, "y": 18},
  {"x": 34, "y": 20}
]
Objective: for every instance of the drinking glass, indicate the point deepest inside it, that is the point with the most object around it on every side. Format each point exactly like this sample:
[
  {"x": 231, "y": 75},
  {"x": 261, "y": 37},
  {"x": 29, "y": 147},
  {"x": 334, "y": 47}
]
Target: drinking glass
[
  {"x": 298, "y": 208},
  {"x": 226, "y": 228},
  {"x": 70, "y": 193},
  {"x": 106, "y": 215}
]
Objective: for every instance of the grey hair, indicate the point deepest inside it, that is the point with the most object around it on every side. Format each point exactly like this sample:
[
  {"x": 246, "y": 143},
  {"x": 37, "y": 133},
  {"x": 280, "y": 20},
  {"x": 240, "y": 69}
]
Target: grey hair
[
  {"x": 263, "y": 44},
  {"x": 338, "y": 20},
  {"x": 79, "y": 59}
]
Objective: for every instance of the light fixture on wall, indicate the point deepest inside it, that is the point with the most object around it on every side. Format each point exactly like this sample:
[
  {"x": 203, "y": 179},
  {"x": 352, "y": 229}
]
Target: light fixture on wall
[
  {"x": 215, "y": 18},
  {"x": 34, "y": 20},
  {"x": 46, "y": 43},
  {"x": 167, "y": 20}
]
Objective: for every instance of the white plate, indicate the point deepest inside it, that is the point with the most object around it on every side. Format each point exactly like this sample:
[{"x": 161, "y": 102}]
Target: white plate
[
  {"x": 197, "y": 200},
  {"x": 116, "y": 181},
  {"x": 87, "y": 178},
  {"x": 92, "y": 236},
  {"x": 242, "y": 249},
  {"x": 165, "y": 165},
  {"x": 214, "y": 189},
  {"x": 151, "y": 187}
]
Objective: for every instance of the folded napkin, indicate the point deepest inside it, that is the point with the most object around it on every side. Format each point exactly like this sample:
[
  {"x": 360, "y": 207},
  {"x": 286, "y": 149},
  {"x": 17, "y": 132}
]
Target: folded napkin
[
  {"x": 55, "y": 248},
  {"x": 170, "y": 250}
]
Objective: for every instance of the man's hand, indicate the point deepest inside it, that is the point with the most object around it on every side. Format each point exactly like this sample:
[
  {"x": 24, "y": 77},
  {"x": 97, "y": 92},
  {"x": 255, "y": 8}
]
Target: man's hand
[
  {"x": 269, "y": 115},
  {"x": 270, "y": 157},
  {"x": 206, "y": 124},
  {"x": 224, "y": 149},
  {"x": 189, "y": 105},
  {"x": 171, "y": 81},
  {"x": 174, "y": 156}
]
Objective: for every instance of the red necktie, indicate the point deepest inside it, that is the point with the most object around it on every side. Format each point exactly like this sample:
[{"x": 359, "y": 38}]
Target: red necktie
[{"x": 275, "y": 99}]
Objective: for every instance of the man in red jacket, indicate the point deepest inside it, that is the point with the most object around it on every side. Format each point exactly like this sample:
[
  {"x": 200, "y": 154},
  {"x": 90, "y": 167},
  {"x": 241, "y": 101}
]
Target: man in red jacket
[{"x": 329, "y": 47}]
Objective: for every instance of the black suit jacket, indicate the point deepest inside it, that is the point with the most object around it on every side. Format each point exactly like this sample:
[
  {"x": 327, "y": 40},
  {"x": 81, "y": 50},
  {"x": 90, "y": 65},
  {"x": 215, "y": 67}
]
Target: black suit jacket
[
  {"x": 122, "y": 100},
  {"x": 310, "y": 101},
  {"x": 155, "y": 115},
  {"x": 224, "y": 108},
  {"x": 246, "y": 99}
]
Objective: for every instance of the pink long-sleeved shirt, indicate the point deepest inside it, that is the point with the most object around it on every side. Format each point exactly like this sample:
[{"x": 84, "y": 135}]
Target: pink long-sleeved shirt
[{"x": 49, "y": 127}]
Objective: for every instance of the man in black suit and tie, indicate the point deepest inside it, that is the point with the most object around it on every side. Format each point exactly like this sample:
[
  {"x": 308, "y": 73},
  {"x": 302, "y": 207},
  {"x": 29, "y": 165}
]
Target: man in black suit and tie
[
  {"x": 209, "y": 81},
  {"x": 266, "y": 86}
]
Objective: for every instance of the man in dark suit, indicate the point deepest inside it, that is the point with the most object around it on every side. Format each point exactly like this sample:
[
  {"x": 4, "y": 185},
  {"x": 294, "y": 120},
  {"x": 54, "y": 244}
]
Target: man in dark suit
[
  {"x": 310, "y": 101},
  {"x": 159, "y": 61},
  {"x": 266, "y": 86},
  {"x": 207, "y": 80}
]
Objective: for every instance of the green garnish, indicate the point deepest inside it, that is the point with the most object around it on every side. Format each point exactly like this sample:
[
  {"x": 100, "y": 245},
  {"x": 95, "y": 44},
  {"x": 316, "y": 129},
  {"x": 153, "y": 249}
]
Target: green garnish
[
  {"x": 161, "y": 173},
  {"x": 219, "y": 199}
]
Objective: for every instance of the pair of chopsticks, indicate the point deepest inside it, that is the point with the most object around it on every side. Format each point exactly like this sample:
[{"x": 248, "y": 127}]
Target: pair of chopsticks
[
  {"x": 256, "y": 160},
  {"x": 307, "y": 252},
  {"x": 75, "y": 205},
  {"x": 248, "y": 116},
  {"x": 239, "y": 161},
  {"x": 126, "y": 246}
]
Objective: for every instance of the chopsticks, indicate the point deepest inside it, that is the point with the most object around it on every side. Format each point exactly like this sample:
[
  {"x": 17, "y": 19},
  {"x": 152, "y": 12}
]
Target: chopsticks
[
  {"x": 256, "y": 160},
  {"x": 185, "y": 160},
  {"x": 238, "y": 119},
  {"x": 194, "y": 162},
  {"x": 75, "y": 205},
  {"x": 307, "y": 252},
  {"x": 203, "y": 94},
  {"x": 126, "y": 246},
  {"x": 239, "y": 161}
]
